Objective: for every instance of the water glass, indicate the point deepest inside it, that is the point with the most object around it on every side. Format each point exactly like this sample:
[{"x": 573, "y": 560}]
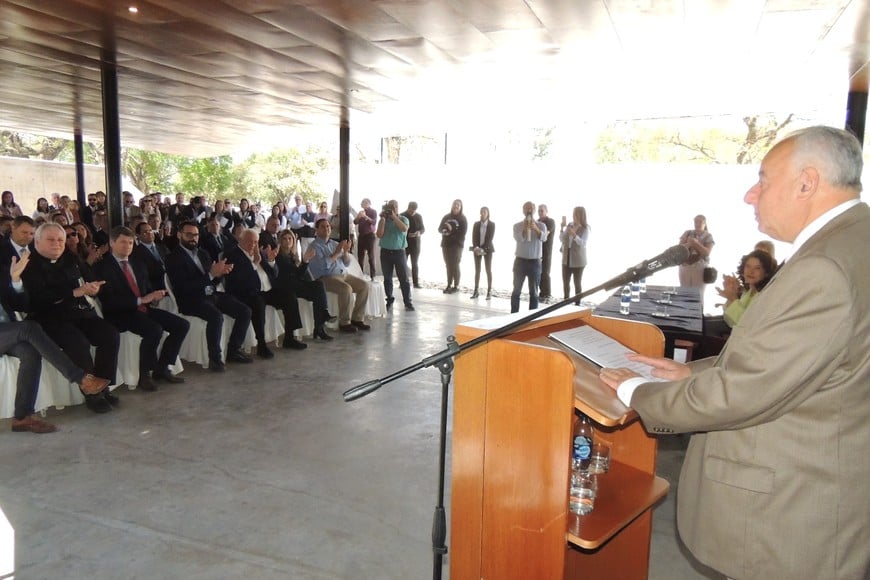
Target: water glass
[
  {"x": 599, "y": 461},
  {"x": 584, "y": 487}
]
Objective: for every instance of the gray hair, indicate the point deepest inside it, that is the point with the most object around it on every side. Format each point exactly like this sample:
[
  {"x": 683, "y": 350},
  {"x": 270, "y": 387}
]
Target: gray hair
[
  {"x": 37, "y": 235},
  {"x": 835, "y": 152}
]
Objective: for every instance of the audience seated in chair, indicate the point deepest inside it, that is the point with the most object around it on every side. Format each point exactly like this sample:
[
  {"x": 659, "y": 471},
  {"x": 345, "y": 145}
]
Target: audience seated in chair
[
  {"x": 292, "y": 277},
  {"x": 194, "y": 277},
  {"x": 57, "y": 300},
  {"x": 128, "y": 300},
  {"x": 252, "y": 280}
]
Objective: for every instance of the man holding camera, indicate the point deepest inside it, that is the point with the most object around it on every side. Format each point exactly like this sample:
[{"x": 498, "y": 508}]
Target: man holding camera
[
  {"x": 393, "y": 236},
  {"x": 530, "y": 236}
]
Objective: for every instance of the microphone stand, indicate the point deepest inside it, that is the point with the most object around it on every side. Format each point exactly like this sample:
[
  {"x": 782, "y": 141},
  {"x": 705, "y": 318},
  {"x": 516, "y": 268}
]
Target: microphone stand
[{"x": 443, "y": 360}]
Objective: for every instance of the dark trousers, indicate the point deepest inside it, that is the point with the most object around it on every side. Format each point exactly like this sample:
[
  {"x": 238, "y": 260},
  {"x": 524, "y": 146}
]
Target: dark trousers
[
  {"x": 314, "y": 292},
  {"x": 28, "y": 342},
  {"x": 75, "y": 336},
  {"x": 395, "y": 259},
  {"x": 212, "y": 309},
  {"x": 567, "y": 275},
  {"x": 150, "y": 326},
  {"x": 413, "y": 252},
  {"x": 545, "y": 272},
  {"x": 487, "y": 263},
  {"x": 525, "y": 269},
  {"x": 283, "y": 301},
  {"x": 367, "y": 246},
  {"x": 452, "y": 257}
]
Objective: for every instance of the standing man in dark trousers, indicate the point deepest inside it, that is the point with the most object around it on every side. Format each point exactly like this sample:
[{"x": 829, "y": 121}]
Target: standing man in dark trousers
[
  {"x": 392, "y": 233},
  {"x": 530, "y": 236},
  {"x": 415, "y": 230},
  {"x": 57, "y": 300},
  {"x": 128, "y": 300},
  {"x": 547, "y": 255},
  {"x": 194, "y": 277},
  {"x": 365, "y": 221}
]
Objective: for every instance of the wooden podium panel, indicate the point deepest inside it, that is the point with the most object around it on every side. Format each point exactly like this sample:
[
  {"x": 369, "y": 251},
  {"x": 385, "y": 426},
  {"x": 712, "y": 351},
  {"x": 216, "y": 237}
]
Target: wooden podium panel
[{"x": 514, "y": 406}]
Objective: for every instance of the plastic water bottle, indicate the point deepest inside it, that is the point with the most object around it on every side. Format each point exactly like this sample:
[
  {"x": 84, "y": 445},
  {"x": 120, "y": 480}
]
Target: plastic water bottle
[
  {"x": 635, "y": 292},
  {"x": 625, "y": 300},
  {"x": 642, "y": 283},
  {"x": 581, "y": 494}
]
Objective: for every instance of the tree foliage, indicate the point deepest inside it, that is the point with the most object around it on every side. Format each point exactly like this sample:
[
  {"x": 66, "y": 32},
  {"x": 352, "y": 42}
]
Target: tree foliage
[
  {"x": 13, "y": 144},
  {"x": 150, "y": 171},
  {"x": 659, "y": 142},
  {"x": 277, "y": 175},
  {"x": 208, "y": 176}
]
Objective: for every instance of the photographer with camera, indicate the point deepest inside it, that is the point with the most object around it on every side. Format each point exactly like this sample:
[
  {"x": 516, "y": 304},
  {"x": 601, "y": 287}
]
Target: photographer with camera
[
  {"x": 393, "y": 236},
  {"x": 530, "y": 236}
]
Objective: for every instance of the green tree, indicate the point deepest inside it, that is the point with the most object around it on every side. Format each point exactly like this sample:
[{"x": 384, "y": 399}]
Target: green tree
[
  {"x": 149, "y": 170},
  {"x": 14, "y": 144},
  {"x": 274, "y": 176},
  {"x": 208, "y": 176}
]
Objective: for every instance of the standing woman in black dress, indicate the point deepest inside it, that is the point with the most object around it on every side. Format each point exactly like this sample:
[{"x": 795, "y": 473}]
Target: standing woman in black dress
[{"x": 453, "y": 228}]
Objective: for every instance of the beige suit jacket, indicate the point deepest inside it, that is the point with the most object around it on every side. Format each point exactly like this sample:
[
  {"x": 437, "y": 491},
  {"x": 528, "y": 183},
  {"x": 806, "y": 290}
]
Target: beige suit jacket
[{"x": 776, "y": 480}]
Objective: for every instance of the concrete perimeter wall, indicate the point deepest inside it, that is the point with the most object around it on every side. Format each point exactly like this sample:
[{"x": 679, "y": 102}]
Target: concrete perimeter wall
[{"x": 30, "y": 179}]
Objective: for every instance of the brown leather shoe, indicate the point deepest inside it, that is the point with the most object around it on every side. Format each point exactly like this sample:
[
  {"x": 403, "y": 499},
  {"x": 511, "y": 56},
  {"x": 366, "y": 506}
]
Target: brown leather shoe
[
  {"x": 33, "y": 425},
  {"x": 347, "y": 328},
  {"x": 91, "y": 385},
  {"x": 360, "y": 324}
]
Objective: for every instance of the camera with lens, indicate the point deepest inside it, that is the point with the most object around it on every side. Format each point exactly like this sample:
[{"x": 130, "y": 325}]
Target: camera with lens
[{"x": 386, "y": 210}]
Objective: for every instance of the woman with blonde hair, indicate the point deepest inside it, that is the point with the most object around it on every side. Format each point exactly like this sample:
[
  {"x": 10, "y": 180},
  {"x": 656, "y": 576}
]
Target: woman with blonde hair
[{"x": 574, "y": 237}]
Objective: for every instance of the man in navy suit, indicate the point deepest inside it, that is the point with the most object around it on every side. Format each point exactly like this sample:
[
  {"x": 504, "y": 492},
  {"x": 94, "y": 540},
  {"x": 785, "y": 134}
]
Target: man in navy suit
[
  {"x": 128, "y": 300},
  {"x": 215, "y": 241},
  {"x": 251, "y": 281},
  {"x": 194, "y": 277},
  {"x": 151, "y": 254}
]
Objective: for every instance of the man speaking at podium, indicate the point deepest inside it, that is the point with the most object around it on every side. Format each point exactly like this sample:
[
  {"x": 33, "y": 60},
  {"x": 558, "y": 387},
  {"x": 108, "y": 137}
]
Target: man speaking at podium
[{"x": 774, "y": 483}]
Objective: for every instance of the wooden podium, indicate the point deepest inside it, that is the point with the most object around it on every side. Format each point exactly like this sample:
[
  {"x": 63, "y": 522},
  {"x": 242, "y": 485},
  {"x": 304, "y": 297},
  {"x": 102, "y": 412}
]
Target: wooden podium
[{"x": 515, "y": 401}]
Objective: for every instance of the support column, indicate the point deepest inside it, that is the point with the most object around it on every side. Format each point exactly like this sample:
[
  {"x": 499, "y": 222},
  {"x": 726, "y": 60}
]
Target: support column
[
  {"x": 78, "y": 147},
  {"x": 111, "y": 137},
  {"x": 856, "y": 113},
  {"x": 344, "y": 179}
]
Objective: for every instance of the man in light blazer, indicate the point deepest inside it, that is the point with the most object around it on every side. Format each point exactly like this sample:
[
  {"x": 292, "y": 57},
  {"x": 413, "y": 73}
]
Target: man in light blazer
[{"x": 774, "y": 483}]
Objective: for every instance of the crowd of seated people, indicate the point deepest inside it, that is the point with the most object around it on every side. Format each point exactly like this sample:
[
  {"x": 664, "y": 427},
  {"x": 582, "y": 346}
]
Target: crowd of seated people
[{"x": 79, "y": 283}]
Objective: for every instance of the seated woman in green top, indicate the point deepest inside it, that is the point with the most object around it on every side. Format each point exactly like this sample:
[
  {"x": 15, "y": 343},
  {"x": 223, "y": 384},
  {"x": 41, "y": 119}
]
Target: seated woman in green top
[{"x": 754, "y": 272}]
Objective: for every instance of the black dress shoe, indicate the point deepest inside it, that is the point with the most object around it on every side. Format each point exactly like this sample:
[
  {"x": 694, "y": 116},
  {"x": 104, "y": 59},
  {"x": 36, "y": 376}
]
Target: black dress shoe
[
  {"x": 349, "y": 328},
  {"x": 97, "y": 403},
  {"x": 330, "y": 318},
  {"x": 264, "y": 352},
  {"x": 166, "y": 377},
  {"x": 238, "y": 356},
  {"x": 474, "y": 295},
  {"x": 321, "y": 334},
  {"x": 111, "y": 398},
  {"x": 390, "y": 301},
  {"x": 294, "y": 343},
  {"x": 146, "y": 384},
  {"x": 360, "y": 324},
  {"x": 216, "y": 366},
  {"x": 410, "y": 307}
]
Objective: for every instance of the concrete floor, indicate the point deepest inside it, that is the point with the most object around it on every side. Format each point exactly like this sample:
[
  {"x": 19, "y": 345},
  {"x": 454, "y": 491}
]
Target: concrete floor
[{"x": 262, "y": 472}]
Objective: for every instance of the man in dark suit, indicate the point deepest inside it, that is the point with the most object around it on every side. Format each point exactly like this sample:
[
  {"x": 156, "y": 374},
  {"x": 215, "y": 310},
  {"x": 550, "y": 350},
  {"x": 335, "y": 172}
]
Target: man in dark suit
[
  {"x": 179, "y": 212},
  {"x": 58, "y": 302},
  {"x": 128, "y": 300},
  {"x": 151, "y": 254},
  {"x": 194, "y": 277},
  {"x": 215, "y": 241},
  {"x": 251, "y": 281},
  {"x": 774, "y": 482},
  {"x": 28, "y": 342},
  {"x": 269, "y": 236},
  {"x": 18, "y": 243},
  {"x": 86, "y": 214}
]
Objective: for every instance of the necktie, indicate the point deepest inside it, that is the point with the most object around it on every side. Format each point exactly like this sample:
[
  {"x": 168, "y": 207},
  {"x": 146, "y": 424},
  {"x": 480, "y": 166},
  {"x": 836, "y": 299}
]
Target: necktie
[
  {"x": 220, "y": 242},
  {"x": 131, "y": 280},
  {"x": 155, "y": 252}
]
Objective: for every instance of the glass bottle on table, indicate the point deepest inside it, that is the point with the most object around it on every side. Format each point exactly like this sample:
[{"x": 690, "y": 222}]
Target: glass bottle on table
[
  {"x": 625, "y": 300},
  {"x": 584, "y": 485}
]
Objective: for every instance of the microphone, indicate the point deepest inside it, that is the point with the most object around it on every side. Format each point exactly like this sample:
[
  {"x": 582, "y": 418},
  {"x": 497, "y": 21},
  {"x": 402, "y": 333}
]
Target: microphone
[{"x": 673, "y": 256}]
